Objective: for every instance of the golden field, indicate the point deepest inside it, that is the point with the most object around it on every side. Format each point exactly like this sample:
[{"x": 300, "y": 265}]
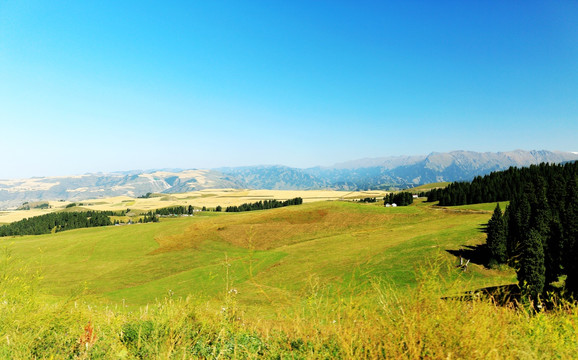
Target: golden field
[{"x": 208, "y": 198}]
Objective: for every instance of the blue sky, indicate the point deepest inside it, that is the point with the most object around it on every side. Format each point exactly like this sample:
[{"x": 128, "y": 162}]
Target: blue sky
[{"x": 88, "y": 86}]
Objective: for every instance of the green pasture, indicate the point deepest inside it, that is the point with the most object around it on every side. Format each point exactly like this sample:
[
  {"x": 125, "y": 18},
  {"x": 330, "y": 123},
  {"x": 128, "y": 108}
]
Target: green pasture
[
  {"x": 324, "y": 280},
  {"x": 270, "y": 258}
]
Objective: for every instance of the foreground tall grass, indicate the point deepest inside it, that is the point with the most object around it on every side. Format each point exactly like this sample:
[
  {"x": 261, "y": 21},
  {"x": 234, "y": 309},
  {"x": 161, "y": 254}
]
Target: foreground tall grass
[{"x": 383, "y": 322}]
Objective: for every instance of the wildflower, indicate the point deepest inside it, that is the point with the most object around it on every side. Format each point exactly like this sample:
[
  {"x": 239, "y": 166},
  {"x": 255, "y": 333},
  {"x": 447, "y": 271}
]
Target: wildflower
[{"x": 89, "y": 337}]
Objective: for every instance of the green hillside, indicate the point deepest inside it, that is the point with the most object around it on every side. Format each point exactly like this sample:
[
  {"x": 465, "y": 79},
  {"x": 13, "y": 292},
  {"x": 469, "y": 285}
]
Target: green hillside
[
  {"x": 323, "y": 280},
  {"x": 272, "y": 256}
]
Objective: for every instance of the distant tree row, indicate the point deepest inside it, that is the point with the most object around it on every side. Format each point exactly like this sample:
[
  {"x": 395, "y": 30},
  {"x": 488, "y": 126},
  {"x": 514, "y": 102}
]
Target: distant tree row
[
  {"x": 28, "y": 206},
  {"x": 175, "y": 210},
  {"x": 538, "y": 233},
  {"x": 149, "y": 217},
  {"x": 71, "y": 205},
  {"x": 499, "y": 186},
  {"x": 367, "y": 200},
  {"x": 61, "y": 221},
  {"x": 401, "y": 199},
  {"x": 263, "y": 205},
  {"x": 112, "y": 213}
]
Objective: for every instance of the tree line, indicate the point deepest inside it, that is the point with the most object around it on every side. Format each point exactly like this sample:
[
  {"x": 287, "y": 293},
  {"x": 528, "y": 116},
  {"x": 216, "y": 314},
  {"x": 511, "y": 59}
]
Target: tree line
[
  {"x": 403, "y": 198},
  {"x": 175, "y": 210},
  {"x": 61, "y": 221},
  {"x": 499, "y": 186},
  {"x": 367, "y": 200},
  {"x": 264, "y": 205},
  {"x": 538, "y": 232},
  {"x": 146, "y": 218},
  {"x": 55, "y": 222}
]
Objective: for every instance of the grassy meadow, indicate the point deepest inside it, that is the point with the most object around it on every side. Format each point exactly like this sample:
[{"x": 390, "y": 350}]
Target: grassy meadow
[
  {"x": 269, "y": 254},
  {"x": 327, "y": 279}
]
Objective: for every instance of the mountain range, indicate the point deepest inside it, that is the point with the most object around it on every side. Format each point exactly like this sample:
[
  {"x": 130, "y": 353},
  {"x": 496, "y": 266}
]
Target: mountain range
[{"x": 370, "y": 173}]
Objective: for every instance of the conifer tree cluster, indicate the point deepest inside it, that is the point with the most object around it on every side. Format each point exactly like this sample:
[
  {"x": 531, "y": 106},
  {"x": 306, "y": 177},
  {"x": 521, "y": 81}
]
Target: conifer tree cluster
[
  {"x": 538, "y": 233},
  {"x": 498, "y": 186},
  {"x": 367, "y": 200},
  {"x": 61, "y": 221},
  {"x": 148, "y": 218},
  {"x": 400, "y": 199},
  {"x": 496, "y": 240},
  {"x": 175, "y": 210},
  {"x": 264, "y": 205}
]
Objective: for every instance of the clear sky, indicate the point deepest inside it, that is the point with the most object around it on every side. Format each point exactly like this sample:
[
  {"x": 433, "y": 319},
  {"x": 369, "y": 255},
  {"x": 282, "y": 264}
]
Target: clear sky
[{"x": 88, "y": 86}]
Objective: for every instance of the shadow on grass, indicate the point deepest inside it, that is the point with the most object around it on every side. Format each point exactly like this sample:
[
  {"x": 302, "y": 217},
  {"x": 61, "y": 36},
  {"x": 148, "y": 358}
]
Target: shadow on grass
[
  {"x": 502, "y": 295},
  {"x": 477, "y": 254},
  {"x": 483, "y": 228}
]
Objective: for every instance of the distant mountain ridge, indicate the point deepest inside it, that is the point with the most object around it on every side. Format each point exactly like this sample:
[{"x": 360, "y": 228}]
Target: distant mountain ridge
[
  {"x": 362, "y": 174},
  {"x": 396, "y": 171},
  {"x": 275, "y": 177},
  {"x": 93, "y": 186}
]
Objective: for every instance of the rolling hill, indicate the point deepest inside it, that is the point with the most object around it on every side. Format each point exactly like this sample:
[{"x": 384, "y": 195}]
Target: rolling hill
[{"x": 273, "y": 252}]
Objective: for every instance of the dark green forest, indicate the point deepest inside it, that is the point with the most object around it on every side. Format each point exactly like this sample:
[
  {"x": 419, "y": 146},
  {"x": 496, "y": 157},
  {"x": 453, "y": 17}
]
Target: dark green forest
[
  {"x": 537, "y": 234},
  {"x": 400, "y": 199},
  {"x": 61, "y": 221},
  {"x": 502, "y": 185}
]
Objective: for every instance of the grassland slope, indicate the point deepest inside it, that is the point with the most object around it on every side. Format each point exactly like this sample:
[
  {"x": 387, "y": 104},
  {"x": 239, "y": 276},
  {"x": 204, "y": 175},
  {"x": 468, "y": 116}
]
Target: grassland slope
[{"x": 270, "y": 257}]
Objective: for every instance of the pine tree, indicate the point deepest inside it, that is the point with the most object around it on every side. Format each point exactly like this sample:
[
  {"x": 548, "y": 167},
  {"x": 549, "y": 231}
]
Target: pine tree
[
  {"x": 570, "y": 220},
  {"x": 497, "y": 237},
  {"x": 531, "y": 272},
  {"x": 553, "y": 248}
]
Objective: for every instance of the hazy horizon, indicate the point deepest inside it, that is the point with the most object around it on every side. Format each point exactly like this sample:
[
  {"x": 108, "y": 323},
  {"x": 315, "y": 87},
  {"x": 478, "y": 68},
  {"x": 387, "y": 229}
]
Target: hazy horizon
[{"x": 104, "y": 87}]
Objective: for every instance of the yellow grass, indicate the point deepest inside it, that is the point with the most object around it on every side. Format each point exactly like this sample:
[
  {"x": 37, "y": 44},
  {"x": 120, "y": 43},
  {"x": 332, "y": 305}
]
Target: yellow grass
[
  {"x": 11, "y": 216},
  {"x": 209, "y": 198}
]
